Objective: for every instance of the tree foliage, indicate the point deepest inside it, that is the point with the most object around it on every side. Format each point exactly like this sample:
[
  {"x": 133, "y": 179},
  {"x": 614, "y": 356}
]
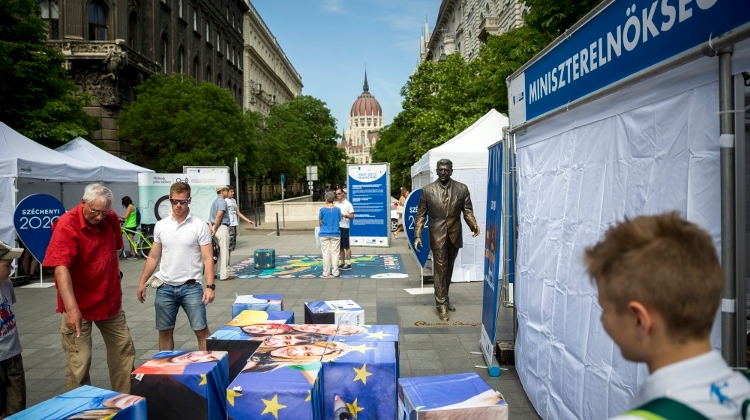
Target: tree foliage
[
  {"x": 299, "y": 133},
  {"x": 442, "y": 99},
  {"x": 174, "y": 122},
  {"x": 39, "y": 99}
]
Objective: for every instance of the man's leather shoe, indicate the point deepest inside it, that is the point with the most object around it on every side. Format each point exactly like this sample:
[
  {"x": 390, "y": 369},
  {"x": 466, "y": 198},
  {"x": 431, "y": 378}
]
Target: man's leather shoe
[{"x": 443, "y": 313}]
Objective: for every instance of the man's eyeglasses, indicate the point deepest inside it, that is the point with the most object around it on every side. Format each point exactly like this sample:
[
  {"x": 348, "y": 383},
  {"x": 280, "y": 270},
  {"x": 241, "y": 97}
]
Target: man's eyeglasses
[
  {"x": 98, "y": 212},
  {"x": 339, "y": 193},
  {"x": 176, "y": 202}
]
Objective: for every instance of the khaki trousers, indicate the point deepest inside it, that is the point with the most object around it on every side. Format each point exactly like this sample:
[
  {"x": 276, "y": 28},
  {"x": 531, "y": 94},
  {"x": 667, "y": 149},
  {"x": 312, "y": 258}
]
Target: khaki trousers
[
  {"x": 120, "y": 352},
  {"x": 222, "y": 236}
]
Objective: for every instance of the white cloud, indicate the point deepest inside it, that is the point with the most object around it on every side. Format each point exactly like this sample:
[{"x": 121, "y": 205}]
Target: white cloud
[{"x": 334, "y": 6}]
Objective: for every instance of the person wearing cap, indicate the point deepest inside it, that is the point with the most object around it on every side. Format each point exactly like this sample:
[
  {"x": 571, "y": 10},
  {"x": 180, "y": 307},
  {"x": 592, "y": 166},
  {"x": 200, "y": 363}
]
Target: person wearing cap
[
  {"x": 219, "y": 222},
  {"x": 12, "y": 377},
  {"x": 83, "y": 251},
  {"x": 234, "y": 222}
]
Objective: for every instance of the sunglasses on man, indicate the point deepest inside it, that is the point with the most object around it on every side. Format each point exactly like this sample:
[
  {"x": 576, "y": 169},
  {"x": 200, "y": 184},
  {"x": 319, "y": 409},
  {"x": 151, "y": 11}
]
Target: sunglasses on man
[{"x": 176, "y": 202}]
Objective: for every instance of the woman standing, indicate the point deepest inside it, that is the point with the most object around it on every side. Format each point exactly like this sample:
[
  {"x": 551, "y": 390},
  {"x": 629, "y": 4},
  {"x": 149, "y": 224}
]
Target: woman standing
[
  {"x": 330, "y": 235},
  {"x": 130, "y": 223},
  {"x": 402, "y": 204}
]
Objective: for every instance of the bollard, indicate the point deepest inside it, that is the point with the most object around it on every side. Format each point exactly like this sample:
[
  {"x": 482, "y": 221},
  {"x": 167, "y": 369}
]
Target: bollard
[{"x": 278, "y": 232}]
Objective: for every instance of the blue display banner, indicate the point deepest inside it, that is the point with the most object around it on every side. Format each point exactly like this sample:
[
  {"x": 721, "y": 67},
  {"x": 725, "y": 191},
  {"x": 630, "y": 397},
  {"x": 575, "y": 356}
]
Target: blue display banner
[
  {"x": 368, "y": 192},
  {"x": 410, "y": 214},
  {"x": 33, "y": 220},
  {"x": 623, "y": 39},
  {"x": 492, "y": 251}
]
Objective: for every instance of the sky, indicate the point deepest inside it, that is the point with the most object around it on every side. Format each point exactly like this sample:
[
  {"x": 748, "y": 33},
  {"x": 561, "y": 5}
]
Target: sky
[{"x": 329, "y": 43}]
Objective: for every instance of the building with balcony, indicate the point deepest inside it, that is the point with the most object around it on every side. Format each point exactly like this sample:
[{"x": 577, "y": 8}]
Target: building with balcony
[
  {"x": 111, "y": 46},
  {"x": 365, "y": 122},
  {"x": 269, "y": 76},
  {"x": 463, "y": 26}
]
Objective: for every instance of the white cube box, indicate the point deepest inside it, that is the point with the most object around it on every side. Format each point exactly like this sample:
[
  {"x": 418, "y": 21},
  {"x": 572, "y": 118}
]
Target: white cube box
[
  {"x": 270, "y": 302},
  {"x": 340, "y": 312}
]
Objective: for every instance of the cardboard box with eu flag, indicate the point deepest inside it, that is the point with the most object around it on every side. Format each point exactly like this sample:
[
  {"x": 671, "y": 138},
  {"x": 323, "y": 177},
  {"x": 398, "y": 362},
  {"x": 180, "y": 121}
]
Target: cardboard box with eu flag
[
  {"x": 359, "y": 380},
  {"x": 449, "y": 397},
  {"x": 241, "y": 336},
  {"x": 87, "y": 402},
  {"x": 184, "y": 384},
  {"x": 277, "y": 392},
  {"x": 257, "y": 303},
  {"x": 265, "y": 259},
  {"x": 345, "y": 312}
]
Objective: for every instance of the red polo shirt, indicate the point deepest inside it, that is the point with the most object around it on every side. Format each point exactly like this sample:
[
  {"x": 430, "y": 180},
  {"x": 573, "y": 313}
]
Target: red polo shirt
[{"x": 90, "y": 257}]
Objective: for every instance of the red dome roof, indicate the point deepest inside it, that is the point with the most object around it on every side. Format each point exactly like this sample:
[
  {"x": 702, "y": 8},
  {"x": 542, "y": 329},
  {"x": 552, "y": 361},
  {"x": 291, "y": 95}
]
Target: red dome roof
[{"x": 366, "y": 104}]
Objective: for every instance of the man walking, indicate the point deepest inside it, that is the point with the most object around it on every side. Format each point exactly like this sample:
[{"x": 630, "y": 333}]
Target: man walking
[
  {"x": 347, "y": 214},
  {"x": 83, "y": 251},
  {"x": 219, "y": 222},
  {"x": 234, "y": 222},
  {"x": 183, "y": 240},
  {"x": 444, "y": 200}
]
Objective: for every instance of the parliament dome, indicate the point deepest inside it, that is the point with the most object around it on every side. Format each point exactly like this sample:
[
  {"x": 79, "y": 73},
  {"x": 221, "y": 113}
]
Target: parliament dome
[{"x": 366, "y": 105}]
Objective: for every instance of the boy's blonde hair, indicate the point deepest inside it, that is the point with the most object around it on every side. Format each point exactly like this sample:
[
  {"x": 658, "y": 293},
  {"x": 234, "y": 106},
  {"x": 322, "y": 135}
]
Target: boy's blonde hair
[{"x": 664, "y": 262}]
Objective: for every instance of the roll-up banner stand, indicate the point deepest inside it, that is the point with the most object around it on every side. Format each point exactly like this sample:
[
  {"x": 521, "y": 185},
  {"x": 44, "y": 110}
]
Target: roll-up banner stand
[{"x": 369, "y": 191}]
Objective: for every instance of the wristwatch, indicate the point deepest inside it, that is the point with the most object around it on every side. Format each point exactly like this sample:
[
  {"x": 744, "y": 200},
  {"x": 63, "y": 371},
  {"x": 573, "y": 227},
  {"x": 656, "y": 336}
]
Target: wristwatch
[{"x": 211, "y": 286}]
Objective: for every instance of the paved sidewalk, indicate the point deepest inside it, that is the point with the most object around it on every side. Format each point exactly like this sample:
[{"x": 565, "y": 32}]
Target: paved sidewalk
[{"x": 428, "y": 346}]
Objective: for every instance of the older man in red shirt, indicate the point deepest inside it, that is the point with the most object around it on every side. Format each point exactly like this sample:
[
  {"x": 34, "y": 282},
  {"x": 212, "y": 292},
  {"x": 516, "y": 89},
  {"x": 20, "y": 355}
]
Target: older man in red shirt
[{"x": 83, "y": 251}]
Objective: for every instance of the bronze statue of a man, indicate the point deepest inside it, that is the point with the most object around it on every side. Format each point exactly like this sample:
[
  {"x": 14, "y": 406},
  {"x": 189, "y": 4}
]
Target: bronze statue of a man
[{"x": 444, "y": 200}]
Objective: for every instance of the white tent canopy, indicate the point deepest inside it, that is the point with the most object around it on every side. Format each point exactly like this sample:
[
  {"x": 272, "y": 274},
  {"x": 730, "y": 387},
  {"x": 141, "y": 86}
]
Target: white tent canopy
[
  {"x": 113, "y": 168},
  {"x": 118, "y": 175},
  {"x": 469, "y": 154},
  {"x": 24, "y": 159}
]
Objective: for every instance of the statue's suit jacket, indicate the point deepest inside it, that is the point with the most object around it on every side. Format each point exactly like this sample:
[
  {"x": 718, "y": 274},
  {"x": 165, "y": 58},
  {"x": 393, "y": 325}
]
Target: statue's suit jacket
[{"x": 445, "y": 223}]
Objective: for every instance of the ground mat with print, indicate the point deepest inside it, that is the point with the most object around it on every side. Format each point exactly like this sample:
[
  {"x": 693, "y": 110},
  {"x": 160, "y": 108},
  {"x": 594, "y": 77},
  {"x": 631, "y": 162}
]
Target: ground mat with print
[{"x": 311, "y": 266}]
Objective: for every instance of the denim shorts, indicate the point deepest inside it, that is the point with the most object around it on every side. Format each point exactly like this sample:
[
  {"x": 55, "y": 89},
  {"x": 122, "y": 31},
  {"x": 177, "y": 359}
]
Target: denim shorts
[{"x": 169, "y": 299}]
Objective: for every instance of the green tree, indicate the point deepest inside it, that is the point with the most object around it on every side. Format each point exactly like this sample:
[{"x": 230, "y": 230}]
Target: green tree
[
  {"x": 39, "y": 99},
  {"x": 174, "y": 122},
  {"x": 553, "y": 17},
  {"x": 394, "y": 147},
  {"x": 298, "y": 133}
]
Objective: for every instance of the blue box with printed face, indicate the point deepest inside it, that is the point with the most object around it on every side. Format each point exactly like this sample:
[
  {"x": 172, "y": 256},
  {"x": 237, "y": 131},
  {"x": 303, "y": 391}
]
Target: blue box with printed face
[
  {"x": 343, "y": 312},
  {"x": 276, "y": 391},
  {"x": 257, "y": 303},
  {"x": 184, "y": 384},
  {"x": 87, "y": 402},
  {"x": 449, "y": 397},
  {"x": 359, "y": 379},
  {"x": 370, "y": 333},
  {"x": 265, "y": 259},
  {"x": 241, "y": 336}
]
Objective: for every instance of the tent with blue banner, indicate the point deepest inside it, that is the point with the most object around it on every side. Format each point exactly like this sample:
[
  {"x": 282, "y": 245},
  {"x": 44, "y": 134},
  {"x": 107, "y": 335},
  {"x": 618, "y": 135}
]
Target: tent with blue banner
[
  {"x": 468, "y": 152},
  {"x": 635, "y": 110}
]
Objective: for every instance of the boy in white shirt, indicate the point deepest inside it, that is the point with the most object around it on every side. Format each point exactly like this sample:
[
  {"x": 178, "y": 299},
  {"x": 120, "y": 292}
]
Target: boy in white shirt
[{"x": 659, "y": 283}]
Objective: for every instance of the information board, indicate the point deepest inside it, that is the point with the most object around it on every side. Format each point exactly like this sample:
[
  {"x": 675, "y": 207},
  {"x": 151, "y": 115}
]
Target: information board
[
  {"x": 369, "y": 192},
  {"x": 153, "y": 193}
]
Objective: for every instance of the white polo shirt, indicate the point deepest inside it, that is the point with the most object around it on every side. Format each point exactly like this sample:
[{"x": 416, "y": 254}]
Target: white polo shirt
[
  {"x": 346, "y": 208},
  {"x": 181, "y": 248},
  {"x": 704, "y": 383}
]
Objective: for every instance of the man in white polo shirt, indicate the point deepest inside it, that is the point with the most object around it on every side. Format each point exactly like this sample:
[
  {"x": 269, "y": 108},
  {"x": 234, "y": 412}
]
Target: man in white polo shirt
[{"x": 183, "y": 240}]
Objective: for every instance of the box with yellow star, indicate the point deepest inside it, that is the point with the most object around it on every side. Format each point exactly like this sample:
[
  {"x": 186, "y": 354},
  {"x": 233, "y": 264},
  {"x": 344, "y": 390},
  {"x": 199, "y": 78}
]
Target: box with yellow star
[
  {"x": 284, "y": 392},
  {"x": 241, "y": 336},
  {"x": 270, "y": 302},
  {"x": 449, "y": 397},
  {"x": 365, "y": 333},
  {"x": 360, "y": 381},
  {"x": 265, "y": 259},
  {"x": 341, "y": 312},
  {"x": 184, "y": 384},
  {"x": 87, "y": 402}
]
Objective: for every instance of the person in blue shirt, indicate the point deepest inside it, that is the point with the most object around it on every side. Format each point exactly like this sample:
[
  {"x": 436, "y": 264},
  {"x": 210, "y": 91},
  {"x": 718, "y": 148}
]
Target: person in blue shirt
[{"x": 330, "y": 235}]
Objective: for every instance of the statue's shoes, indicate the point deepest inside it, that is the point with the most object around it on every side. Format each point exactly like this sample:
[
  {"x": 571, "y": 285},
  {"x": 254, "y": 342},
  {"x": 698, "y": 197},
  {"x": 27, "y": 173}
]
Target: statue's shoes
[{"x": 451, "y": 307}]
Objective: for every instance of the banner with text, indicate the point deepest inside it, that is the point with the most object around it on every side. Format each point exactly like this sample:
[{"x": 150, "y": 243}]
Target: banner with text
[
  {"x": 33, "y": 220},
  {"x": 492, "y": 252},
  {"x": 410, "y": 214},
  {"x": 153, "y": 193},
  {"x": 369, "y": 192}
]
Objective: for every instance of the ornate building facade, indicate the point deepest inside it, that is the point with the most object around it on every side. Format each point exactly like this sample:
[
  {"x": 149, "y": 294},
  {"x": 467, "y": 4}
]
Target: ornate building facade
[
  {"x": 365, "y": 122},
  {"x": 269, "y": 76},
  {"x": 111, "y": 46},
  {"x": 463, "y": 26}
]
